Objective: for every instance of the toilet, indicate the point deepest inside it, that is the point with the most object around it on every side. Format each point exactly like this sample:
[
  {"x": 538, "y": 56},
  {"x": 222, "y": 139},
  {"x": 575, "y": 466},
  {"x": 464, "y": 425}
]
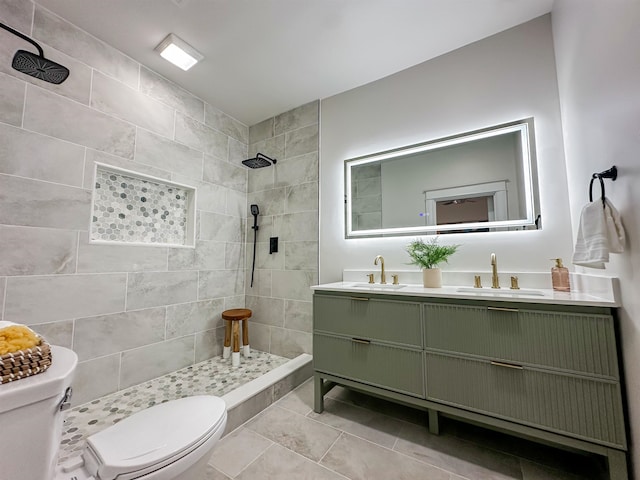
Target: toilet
[{"x": 169, "y": 441}]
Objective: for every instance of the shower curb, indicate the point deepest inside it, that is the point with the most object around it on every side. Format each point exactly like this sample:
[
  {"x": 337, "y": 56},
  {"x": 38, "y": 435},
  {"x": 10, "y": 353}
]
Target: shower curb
[{"x": 248, "y": 400}]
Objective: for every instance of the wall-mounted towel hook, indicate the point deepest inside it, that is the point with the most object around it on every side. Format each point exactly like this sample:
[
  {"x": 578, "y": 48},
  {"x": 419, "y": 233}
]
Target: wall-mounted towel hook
[{"x": 611, "y": 173}]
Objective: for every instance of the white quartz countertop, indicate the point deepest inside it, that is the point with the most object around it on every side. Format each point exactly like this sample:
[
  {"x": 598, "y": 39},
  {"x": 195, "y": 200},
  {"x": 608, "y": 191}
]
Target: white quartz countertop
[{"x": 525, "y": 295}]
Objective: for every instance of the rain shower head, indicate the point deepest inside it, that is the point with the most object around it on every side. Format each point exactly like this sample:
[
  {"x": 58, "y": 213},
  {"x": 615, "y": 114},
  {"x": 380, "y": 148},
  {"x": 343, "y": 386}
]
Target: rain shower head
[
  {"x": 259, "y": 161},
  {"x": 36, "y": 65}
]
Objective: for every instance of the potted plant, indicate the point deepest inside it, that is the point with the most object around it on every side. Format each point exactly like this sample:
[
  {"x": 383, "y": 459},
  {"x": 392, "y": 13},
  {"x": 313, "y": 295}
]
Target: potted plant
[{"x": 428, "y": 255}]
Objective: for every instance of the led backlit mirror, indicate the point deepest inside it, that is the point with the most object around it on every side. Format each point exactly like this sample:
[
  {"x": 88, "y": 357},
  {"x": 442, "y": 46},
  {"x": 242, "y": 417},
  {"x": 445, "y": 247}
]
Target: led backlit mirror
[{"x": 477, "y": 181}]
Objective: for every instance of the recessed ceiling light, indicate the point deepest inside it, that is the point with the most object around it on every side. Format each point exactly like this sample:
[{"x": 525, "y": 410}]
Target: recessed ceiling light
[{"x": 178, "y": 52}]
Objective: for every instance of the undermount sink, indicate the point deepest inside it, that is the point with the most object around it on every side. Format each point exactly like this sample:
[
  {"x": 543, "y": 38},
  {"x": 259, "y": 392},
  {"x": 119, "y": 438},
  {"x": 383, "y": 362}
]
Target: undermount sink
[
  {"x": 504, "y": 291},
  {"x": 375, "y": 286}
]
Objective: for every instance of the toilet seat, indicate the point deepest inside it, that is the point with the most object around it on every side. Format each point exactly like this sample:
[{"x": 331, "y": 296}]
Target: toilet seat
[{"x": 153, "y": 438}]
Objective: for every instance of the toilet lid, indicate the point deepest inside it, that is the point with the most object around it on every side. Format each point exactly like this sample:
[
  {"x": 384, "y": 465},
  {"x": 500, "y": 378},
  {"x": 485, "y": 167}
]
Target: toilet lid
[{"x": 156, "y": 434}]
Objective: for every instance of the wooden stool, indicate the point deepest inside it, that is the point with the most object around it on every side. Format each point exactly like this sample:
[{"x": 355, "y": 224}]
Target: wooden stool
[{"x": 232, "y": 318}]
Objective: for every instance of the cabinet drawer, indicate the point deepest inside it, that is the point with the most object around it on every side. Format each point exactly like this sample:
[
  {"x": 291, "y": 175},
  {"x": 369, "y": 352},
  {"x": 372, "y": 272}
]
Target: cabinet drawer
[
  {"x": 384, "y": 366},
  {"x": 575, "y": 342},
  {"x": 360, "y": 316},
  {"x": 577, "y": 406}
]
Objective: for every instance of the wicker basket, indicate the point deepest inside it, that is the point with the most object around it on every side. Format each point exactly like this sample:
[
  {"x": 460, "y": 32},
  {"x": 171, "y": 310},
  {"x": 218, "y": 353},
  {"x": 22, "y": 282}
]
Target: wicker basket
[{"x": 25, "y": 363}]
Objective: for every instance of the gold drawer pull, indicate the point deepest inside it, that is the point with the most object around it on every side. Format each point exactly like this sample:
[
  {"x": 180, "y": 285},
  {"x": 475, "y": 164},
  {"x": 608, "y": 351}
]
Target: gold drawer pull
[
  {"x": 361, "y": 340},
  {"x": 502, "y": 309},
  {"x": 361, "y": 299},
  {"x": 507, "y": 365}
]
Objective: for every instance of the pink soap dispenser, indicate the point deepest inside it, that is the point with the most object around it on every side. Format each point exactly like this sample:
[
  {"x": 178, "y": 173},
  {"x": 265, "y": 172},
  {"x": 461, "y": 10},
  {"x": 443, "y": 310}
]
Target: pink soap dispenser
[{"x": 560, "y": 277}]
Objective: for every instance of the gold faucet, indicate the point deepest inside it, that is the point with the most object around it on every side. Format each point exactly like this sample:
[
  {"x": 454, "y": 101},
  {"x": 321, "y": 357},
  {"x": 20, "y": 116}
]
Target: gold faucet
[
  {"x": 495, "y": 281},
  {"x": 383, "y": 277}
]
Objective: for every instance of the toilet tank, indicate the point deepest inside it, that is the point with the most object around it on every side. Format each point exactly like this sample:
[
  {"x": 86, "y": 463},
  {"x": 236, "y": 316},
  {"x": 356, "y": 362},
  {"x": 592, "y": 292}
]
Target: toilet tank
[{"x": 31, "y": 420}]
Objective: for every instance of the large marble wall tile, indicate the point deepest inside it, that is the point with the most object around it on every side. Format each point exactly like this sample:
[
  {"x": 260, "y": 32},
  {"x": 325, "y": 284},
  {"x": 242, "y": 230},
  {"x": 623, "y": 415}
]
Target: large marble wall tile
[
  {"x": 94, "y": 156},
  {"x": 37, "y": 251},
  {"x": 234, "y": 256},
  {"x": 237, "y": 151},
  {"x": 271, "y": 147},
  {"x": 12, "y": 93},
  {"x": 77, "y": 85},
  {"x": 167, "y": 92},
  {"x": 261, "y": 282},
  {"x": 298, "y": 315},
  {"x": 261, "y": 131},
  {"x": 220, "y": 283},
  {"x": 187, "y": 318},
  {"x": 298, "y": 117},
  {"x": 221, "y": 228},
  {"x": 40, "y": 204},
  {"x": 95, "y": 378},
  {"x": 77, "y": 123},
  {"x": 264, "y": 259},
  {"x": 69, "y": 39},
  {"x": 30, "y": 155},
  {"x": 293, "y": 284},
  {"x": 301, "y": 198},
  {"x": 107, "y": 334},
  {"x": 299, "y": 227},
  {"x": 56, "y": 333},
  {"x": 209, "y": 344},
  {"x": 94, "y": 258},
  {"x": 209, "y": 197},
  {"x": 3, "y": 284},
  {"x": 297, "y": 170},
  {"x": 290, "y": 343},
  {"x": 260, "y": 336},
  {"x": 42, "y": 299},
  {"x": 225, "y": 173},
  {"x": 269, "y": 227},
  {"x": 270, "y": 202},
  {"x": 17, "y": 15},
  {"x": 201, "y": 137},
  {"x": 268, "y": 311},
  {"x": 234, "y": 302},
  {"x": 206, "y": 255},
  {"x": 114, "y": 98},
  {"x": 301, "y": 141},
  {"x": 236, "y": 203},
  {"x": 152, "y": 361},
  {"x": 301, "y": 255},
  {"x": 150, "y": 289},
  {"x": 168, "y": 155},
  {"x": 224, "y": 123}
]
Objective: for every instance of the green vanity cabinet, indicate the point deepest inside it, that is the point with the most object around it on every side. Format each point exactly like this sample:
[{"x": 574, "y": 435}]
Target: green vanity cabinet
[
  {"x": 546, "y": 372},
  {"x": 377, "y": 342}
]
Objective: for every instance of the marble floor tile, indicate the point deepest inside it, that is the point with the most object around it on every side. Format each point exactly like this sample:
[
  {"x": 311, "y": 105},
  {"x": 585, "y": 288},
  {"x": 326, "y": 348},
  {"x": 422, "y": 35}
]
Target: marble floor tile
[
  {"x": 358, "y": 459},
  {"x": 296, "y": 432},
  {"x": 280, "y": 463},
  {"x": 361, "y": 422},
  {"x": 214, "y": 474},
  {"x": 457, "y": 456},
  {"x": 237, "y": 450}
]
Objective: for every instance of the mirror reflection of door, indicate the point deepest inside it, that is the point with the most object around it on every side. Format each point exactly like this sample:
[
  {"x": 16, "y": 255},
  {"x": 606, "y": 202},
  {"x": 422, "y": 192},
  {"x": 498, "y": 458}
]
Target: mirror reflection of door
[{"x": 464, "y": 210}]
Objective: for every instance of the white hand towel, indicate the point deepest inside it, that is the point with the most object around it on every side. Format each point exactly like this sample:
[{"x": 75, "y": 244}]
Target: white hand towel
[{"x": 600, "y": 232}]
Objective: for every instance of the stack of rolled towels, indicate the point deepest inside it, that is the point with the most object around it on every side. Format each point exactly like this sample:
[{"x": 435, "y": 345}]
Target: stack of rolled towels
[{"x": 14, "y": 337}]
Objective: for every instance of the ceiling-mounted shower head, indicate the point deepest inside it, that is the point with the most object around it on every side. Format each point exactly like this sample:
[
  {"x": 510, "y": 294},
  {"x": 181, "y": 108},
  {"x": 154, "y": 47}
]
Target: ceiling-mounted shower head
[
  {"x": 259, "y": 161},
  {"x": 36, "y": 65}
]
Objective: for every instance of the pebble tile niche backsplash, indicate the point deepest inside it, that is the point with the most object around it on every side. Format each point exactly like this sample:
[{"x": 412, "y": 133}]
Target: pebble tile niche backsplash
[{"x": 135, "y": 210}]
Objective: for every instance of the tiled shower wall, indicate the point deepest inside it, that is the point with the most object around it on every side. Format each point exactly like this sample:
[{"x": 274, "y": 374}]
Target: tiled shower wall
[
  {"x": 130, "y": 312},
  {"x": 287, "y": 196}
]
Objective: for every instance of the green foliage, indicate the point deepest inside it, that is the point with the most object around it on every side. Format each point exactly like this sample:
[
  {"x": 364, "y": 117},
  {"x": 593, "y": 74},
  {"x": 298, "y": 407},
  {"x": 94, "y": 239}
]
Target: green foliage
[{"x": 429, "y": 254}]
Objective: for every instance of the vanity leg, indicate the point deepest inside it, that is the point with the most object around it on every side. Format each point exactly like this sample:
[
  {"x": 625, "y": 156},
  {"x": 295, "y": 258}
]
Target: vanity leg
[
  {"x": 434, "y": 426},
  {"x": 318, "y": 393},
  {"x": 617, "y": 460}
]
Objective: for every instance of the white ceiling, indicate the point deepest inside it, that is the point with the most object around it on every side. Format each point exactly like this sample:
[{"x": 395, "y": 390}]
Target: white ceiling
[{"x": 264, "y": 57}]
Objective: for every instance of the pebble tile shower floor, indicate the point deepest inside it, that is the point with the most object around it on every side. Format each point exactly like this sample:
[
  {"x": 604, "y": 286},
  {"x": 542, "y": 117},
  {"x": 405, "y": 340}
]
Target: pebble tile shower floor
[{"x": 212, "y": 377}]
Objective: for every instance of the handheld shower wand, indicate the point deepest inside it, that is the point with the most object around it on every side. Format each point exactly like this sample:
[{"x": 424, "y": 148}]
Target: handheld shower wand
[{"x": 255, "y": 212}]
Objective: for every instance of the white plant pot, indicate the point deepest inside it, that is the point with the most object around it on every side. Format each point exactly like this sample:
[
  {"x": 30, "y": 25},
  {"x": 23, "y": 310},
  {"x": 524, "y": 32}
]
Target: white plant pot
[{"x": 432, "y": 277}]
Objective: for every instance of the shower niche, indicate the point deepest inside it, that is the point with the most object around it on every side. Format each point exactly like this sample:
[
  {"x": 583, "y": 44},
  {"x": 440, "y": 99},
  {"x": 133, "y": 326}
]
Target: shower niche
[{"x": 136, "y": 209}]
